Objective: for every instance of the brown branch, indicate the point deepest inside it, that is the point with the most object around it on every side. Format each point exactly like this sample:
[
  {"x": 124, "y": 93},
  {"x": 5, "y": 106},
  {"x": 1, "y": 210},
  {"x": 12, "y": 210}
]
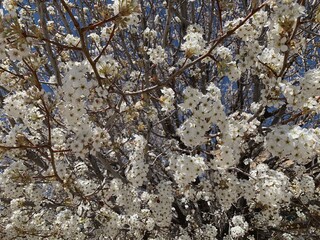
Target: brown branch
[
  {"x": 48, "y": 123},
  {"x": 208, "y": 54},
  {"x": 267, "y": 66},
  {"x": 63, "y": 17},
  {"x": 286, "y": 54},
  {"x": 220, "y": 16},
  {"x": 83, "y": 43},
  {"x": 167, "y": 27},
  {"x": 149, "y": 89},
  {"x": 12, "y": 73},
  {"x": 107, "y": 44},
  {"x": 52, "y": 59},
  {"x": 59, "y": 45},
  {"x": 94, "y": 25},
  {"x": 108, "y": 166},
  {"x": 24, "y": 147},
  {"x": 294, "y": 117},
  {"x": 216, "y": 43}
]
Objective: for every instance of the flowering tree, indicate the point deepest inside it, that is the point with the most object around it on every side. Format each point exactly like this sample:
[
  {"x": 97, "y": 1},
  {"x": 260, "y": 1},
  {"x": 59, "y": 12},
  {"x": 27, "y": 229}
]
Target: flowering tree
[{"x": 159, "y": 120}]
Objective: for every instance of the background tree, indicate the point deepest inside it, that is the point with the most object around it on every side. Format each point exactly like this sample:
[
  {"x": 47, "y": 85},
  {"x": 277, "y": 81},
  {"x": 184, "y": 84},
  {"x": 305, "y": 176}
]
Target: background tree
[{"x": 159, "y": 120}]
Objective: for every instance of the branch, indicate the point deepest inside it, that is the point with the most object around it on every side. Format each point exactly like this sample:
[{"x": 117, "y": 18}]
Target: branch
[
  {"x": 83, "y": 43},
  {"x": 220, "y": 16},
  {"x": 94, "y": 25},
  {"x": 167, "y": 27},
  {"x": 107, "y": 44},
  {"x": 216, "y": 43},
  {"x": 107, "y": 165},
  {"x": 59, "y": 45},
  {"x": 52, "y": 59},
  {"x": 309, "y": 31},
  {"x": 149, "y": 89}
]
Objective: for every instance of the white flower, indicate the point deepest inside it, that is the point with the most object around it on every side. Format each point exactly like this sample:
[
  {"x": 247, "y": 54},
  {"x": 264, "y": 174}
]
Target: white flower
[
  {"x": 167, "y": 99},
  {"x": 237, "y": 232},
  {"x": 157, "y": 55},
  {"x": 187, "y": 168},
  {"x": 72, "y": 40},
  {"x": 194, "y": 43},
  {"x": 95, "y": 37}
]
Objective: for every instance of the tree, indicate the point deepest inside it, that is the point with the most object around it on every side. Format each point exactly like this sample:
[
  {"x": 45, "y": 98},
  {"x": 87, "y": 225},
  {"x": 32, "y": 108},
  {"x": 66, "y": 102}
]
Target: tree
[{"x": 160, "y": 120}]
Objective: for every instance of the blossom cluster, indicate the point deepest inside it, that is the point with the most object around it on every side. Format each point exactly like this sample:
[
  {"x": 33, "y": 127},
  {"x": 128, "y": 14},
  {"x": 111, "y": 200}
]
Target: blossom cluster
[
  {"x": 186, "y": 168},
  {"x": 306, "y": 95},
  {"x": 137, "y": 170},
  {"x": 300, "y": 144},
  {"x": 194, "y": 43},
  {"x": 159, "y": 120}
]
